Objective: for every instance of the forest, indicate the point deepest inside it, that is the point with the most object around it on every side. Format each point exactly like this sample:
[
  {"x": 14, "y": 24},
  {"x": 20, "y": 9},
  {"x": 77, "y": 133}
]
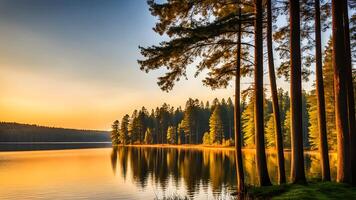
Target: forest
[
  {"x": 213, "y": 122},
  {"x": 15, "y": 132},
  {"x": 228, "y": 40}
]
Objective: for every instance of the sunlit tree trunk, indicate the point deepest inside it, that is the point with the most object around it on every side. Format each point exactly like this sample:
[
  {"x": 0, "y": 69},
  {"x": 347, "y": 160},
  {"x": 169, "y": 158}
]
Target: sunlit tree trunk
[
  {"x": 276, "y": 114},
  {"x": 258, "y": 83},
  {"x": 297, "y": 166},
  {"x": 340, "y": 89},
  {"x": 323, "y": 143},
  {"x": 237, "y": 117},
  {"x": 350, "y": 91}
]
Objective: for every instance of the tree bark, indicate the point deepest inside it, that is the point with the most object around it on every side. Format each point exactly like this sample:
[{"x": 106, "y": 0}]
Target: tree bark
[
  {"x": 297, "y": 167},
  {"x": 350, "y": 91},
  {"x": 323, "y": 140},
  {"x": 237, "y": 117},
  {"x": 340, "y": 89},
  {"x": 258, "y": 104},
  {"x": 275, "y": 105}
]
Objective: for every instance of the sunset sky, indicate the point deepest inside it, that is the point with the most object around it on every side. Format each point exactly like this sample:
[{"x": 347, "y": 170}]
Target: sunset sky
[{"x": 72, "y": 63}]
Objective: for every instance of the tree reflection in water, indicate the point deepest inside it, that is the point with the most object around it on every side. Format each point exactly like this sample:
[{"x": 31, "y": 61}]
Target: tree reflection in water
[{"x": 199, "y": 168}]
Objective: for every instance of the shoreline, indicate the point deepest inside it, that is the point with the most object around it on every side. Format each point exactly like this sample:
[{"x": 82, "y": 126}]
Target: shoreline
[{"x": 209, "y": 147}]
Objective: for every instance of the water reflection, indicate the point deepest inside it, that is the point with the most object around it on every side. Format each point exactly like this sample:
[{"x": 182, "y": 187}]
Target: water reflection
[{"x": 196, "y": 170}]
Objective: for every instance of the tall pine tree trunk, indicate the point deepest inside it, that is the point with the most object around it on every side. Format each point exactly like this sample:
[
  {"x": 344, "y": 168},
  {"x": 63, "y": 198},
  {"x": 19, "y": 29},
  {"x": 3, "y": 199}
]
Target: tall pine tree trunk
[
  {"x": 259, "y": 119},
  {"x": 340, "y": 89},
  {"x": 237, "y": 117},
  {"x": 350, "y": 92},
  {"x": 323, "y": 143},
  {"x": 276, "y": 114},
  {"x": 297, "y": 167}
]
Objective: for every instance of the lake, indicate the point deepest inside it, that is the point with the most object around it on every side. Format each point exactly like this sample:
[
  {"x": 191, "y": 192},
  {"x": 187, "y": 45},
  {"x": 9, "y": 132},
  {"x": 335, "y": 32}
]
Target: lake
[{"x": 131, "y": 173}]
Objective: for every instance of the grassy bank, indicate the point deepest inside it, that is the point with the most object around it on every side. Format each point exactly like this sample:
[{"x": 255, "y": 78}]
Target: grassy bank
[{"x": 315, "y": 190}]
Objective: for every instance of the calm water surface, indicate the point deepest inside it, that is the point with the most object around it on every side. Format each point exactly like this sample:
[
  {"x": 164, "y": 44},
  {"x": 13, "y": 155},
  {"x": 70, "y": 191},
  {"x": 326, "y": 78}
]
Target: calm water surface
[{"x": 130, "y": 173}]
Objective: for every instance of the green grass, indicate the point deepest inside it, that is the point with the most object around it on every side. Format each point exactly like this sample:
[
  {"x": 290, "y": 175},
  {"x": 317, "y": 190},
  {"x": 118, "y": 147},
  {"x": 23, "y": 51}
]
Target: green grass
[{"x": 311, "y": 191}]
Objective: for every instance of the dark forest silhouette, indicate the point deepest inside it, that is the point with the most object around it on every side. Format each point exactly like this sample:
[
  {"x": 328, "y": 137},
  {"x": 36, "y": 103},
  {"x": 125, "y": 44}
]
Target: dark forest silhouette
[{"x": 15, "y": 132}]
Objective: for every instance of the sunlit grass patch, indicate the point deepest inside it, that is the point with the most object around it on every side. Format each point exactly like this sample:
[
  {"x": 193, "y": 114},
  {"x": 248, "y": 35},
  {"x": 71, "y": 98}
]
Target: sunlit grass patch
[{"x": 311, "y": 191}]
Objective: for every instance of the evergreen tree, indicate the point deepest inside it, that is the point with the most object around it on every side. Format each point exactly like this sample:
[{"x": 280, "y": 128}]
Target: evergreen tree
[
  {"x": 329, "y": 96},
  {"x": 133, "y": 127},
  {"x": 171, "y": 135},
  {"x": 248, "y": 126},
  {"x": 206, "y": 138},
  {"x": 124, "y": 130},
  {"x": 225, "y": 119},
  {"x": 142, "y": 123},
  {"x": 181, "y": 134},
  {"x": 148, "y": 136},
  {"x": 287, "y": 135},
  {"x": 261, "y": 161},
  {"x": 276, "y": 123},
  {"x": 305, "y": 119},
  {"x": 314, "y": 136},
  {"x": 339, "y": 59},
  {"x": 230, "y": 116},
  {"x": 270, "y": 133},
  {"x": 284, "y": 103},
  {"x": 216, "y": 126},
  {"x": 297, "y": 167},
  {"x": 190, "y": 121},
  {"x": 323, "y": 147},
  {"x": 164, "y": 120},
  {"x": 115, "y": 133},
  {"x": 247, "y": 118},
  {"x": 329, "y": 105}
]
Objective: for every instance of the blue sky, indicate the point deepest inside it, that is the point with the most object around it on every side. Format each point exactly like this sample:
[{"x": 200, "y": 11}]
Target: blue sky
[{"x": 73, "y": 63}]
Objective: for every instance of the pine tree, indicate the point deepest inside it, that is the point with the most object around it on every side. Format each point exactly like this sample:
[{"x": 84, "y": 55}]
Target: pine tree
[
  {"x": 115, "y": 133},
  {"x": 230, "y": 116},
  {"x": 344, "y": 174},
  {"x": 297, "y": 166},
  {"x": 276, "y": 124},
  {"x": 248, "y": 126},
  {"x": 329, "y": 104},
  {"x": 216, "y": 126},
  {"x": 180, "y": 133},
  {"x": 171, "y": 135},
  {"x": 287, "y": 126},
  {"x": 148, "y": 136},
  {"x": 270, "y": 133},
  {"x": 225, "y": 119},
  {"x": 190, "y": 121},
  {"x": 142, "y": 123},
  {"x": 133, "y": 127},
  {"x": 124, "y": 130},
  {"x": 261, "y": 161},
  {"x": 323, "y": 147},
  {"x": 247, "y": 117},
  {"x": 314, "y": 136},
  {"x": 284, "y": 103},
  {"x": 329, "y": 96},
  {"x": 164, "y": 120},
  {"x": 206, "y": 138},
  {"x": 305, "y": 119}
]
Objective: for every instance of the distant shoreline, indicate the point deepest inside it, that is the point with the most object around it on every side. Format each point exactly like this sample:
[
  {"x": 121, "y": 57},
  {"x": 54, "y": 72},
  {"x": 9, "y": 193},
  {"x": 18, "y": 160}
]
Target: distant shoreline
[{"x": 210, "y": 147}]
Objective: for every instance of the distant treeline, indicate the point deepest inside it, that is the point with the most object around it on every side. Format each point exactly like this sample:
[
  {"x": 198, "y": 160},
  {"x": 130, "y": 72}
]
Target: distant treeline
[
  {"x": 206, "y": 123},
  {"x": 213, "y": 122},
  {"x": 15, "y": 132}
]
